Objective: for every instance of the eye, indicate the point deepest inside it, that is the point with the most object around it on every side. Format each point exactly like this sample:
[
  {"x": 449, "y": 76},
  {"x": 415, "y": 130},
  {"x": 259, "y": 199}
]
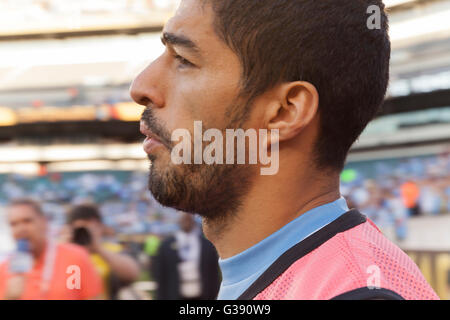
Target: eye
[{"x": 183, "y": 62}]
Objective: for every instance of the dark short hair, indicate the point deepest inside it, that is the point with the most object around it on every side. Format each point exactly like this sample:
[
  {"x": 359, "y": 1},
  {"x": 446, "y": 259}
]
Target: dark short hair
[
  {"x": 30, "y": 203},
  {"x": 84, "y": 212},
  {"x": 324, "y": 42}
]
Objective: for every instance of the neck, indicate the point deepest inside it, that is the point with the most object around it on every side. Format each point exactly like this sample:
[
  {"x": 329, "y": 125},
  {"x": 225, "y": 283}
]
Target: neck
[
  {"x": 265, "y": 209},
  {"x": 39, "y": 250},
  {"x": 187, "y": 231}
]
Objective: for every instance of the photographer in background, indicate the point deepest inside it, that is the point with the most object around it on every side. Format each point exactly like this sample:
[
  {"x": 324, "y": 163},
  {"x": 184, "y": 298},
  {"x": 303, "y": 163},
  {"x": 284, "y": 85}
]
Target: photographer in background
[{"x": 117, "y": 269}]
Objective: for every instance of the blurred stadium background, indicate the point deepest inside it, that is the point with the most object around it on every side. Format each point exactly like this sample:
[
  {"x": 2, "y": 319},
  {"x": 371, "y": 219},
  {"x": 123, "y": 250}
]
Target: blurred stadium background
[{"x": 69, "y": 131}]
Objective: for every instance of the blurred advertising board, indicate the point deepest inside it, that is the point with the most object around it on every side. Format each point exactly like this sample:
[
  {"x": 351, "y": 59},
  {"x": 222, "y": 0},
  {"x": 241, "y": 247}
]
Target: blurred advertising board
[
  {"x": 27, "y": 17},
  {"x": 126, "y": 111},
  {"x": 435, "y": 266}
]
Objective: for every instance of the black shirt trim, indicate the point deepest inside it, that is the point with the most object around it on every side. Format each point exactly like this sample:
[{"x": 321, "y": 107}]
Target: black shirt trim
[
  {"x": 366, "y": 293},
  {"x": 345, "y": 222}
]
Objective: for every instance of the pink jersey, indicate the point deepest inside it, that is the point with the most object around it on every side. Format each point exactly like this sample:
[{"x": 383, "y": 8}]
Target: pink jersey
[{"x": 347, "y": 259}]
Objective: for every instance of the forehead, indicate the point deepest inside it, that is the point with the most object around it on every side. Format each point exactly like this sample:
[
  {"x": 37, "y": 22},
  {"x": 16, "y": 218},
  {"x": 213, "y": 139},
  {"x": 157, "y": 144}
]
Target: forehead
[
  {"x": 21, "y": 211},
  {"x": 194, "y": 19}
]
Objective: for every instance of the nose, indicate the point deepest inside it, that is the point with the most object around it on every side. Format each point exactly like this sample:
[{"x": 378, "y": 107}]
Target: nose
[{"x": 147, "y": 88}]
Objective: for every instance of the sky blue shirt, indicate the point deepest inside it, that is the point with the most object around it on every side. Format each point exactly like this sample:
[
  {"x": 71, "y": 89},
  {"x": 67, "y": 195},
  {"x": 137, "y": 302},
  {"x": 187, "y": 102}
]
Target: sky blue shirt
[{"x": 241, "y": 270}]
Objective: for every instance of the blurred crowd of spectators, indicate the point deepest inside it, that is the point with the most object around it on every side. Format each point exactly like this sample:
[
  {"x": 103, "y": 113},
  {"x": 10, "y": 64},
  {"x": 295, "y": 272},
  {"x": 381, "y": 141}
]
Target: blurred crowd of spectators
[
  {"x": 392, "y": 192},
  {"x": 126, "y": 205},
  {"x": 387, "y": 192}
]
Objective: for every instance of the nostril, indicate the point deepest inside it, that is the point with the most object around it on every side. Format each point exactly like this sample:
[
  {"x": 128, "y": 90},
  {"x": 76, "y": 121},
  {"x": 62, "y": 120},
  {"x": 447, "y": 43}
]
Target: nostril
[
  {"x": 138, "y": 96},
  {"x": 144, "y": 101},
  {"x": 145, "y": 95}
]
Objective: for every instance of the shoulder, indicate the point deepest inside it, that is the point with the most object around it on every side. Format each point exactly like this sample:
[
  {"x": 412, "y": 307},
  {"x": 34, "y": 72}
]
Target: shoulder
[
  {"x": 347, "y": 265},
  {"x": 168, "y": 241},
  {"x": 70, "y": 247},
  {"x": 3, "y": 265},
  {"x": 113, "y": 247},
  {"x": 72, "y": 251}
]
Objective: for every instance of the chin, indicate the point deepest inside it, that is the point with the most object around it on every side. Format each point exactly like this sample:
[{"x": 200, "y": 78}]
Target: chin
[
  {"x": 213, "y": 192},
  {"x": 167, "y": 185}
]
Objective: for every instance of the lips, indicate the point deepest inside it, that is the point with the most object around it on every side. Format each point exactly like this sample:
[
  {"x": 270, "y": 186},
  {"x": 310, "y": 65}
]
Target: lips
[{"x": 151, "y": 141}]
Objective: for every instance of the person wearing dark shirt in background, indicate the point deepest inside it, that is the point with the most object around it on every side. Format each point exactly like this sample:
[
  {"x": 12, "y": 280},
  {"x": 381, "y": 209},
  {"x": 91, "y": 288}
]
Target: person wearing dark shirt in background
[{"x": 186, "y": 265}]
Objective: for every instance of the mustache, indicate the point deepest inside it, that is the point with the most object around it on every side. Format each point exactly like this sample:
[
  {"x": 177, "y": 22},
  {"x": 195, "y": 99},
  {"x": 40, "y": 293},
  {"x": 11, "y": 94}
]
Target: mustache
[{"x": 153, "y": 125}]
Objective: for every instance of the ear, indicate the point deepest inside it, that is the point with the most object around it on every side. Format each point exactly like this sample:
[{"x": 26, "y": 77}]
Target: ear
[{"x": 294, "y": 108}]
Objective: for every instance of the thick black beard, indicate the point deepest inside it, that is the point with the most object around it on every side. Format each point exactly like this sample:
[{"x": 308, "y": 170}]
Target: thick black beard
[{"x": 214, "y": 192}]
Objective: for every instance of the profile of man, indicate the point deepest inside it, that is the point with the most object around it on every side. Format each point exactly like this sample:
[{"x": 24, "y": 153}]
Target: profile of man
[{"x": 314, "y": 71}]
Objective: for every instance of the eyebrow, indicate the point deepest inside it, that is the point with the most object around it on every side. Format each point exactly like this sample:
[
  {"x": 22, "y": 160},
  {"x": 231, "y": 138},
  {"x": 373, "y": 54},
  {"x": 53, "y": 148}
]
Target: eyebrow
[{"x": 180, "y": 41}]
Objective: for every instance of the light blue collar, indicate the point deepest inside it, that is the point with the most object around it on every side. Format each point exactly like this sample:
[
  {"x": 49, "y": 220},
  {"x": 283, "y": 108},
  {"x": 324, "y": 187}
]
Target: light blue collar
[{"x": 241, "y": 270}]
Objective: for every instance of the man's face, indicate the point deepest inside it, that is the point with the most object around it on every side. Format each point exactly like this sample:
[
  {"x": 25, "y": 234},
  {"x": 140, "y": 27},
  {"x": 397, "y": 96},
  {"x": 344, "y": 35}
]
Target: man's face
[
  {"x": 26, "y": 223},
  {"x": 197, "y": 78},
  {"x": 187, "y": 222}
]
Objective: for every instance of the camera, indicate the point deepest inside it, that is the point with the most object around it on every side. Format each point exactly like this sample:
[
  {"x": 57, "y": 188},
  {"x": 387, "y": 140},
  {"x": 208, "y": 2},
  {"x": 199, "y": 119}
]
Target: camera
[{"x": 82, "y": 237}]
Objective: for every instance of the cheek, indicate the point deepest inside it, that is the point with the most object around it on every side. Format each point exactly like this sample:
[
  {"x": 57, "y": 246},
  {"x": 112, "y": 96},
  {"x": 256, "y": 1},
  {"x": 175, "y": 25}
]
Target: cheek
[
  {"x": 201, "y": 95},
  {"x": 21, "y": 229},
  {"x": 206, "y": 100},
  {"x": 15, "y": 231},
  {"x": 37, "y": 229}
]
